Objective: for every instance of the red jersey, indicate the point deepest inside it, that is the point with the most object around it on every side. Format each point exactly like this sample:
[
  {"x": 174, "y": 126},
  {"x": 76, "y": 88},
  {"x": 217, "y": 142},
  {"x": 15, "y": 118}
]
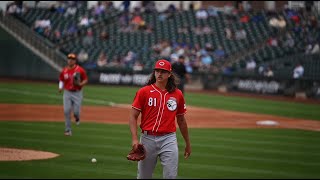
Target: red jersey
[
  {"x": 159, "y": 108},
  {"x": 66, "y": 76}
]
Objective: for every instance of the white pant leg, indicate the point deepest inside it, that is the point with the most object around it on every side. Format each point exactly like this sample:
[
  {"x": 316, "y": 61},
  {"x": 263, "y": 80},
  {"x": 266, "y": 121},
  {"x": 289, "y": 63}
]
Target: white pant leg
[
  {"x": 146, "y": 166},
  {"x": 169, "y": 156}
]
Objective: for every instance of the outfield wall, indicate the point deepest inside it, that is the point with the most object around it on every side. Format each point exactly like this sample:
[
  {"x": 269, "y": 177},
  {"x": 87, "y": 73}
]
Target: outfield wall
[{"x": 18, "y": 61}]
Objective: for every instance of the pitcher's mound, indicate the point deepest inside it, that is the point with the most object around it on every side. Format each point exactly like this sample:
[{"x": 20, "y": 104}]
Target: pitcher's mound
[{"x": 12, "y": 154}]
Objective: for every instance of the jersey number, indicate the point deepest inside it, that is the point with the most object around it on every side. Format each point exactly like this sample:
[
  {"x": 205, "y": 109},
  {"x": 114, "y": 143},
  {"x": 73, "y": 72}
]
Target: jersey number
[{"x": 152, "y": 102}]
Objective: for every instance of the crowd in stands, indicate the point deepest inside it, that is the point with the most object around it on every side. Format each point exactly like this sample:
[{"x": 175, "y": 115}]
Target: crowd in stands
[{"x": 288, "y": 27}]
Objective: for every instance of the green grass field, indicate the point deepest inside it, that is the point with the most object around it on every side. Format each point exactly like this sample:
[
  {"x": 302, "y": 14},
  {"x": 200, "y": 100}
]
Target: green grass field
[{"x": 217, "y": 153}]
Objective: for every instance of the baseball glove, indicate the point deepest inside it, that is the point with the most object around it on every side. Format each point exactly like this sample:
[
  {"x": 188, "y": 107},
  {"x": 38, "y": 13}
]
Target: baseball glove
[
  {"x": 76, "y": 79},
  {"x": 137, "y": 153}
]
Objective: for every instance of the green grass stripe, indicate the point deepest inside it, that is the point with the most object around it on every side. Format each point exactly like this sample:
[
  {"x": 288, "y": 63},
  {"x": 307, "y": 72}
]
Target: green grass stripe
[
  {"x": 264, "y": 134},
  {"x": 236, "y": 169},
  {"x": 53, "y": 96}
]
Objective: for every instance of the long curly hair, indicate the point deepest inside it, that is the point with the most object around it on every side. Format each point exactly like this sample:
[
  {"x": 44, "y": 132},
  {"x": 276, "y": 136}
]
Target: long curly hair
[{"x": 172, "y": 83}]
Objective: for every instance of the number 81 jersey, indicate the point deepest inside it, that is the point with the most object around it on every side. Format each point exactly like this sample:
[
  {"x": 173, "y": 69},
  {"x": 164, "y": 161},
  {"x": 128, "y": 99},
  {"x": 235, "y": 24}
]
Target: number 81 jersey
[{"x": 159, "y": 108}]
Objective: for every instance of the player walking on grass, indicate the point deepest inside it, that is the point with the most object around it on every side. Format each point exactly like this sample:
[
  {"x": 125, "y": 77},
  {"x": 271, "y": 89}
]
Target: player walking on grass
[
  {"x": 72, "y": 79},
  {"x": 159, "y": 103}
]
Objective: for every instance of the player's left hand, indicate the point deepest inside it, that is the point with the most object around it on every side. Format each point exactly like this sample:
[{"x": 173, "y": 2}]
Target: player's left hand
[{"x": 187, "y": 152}]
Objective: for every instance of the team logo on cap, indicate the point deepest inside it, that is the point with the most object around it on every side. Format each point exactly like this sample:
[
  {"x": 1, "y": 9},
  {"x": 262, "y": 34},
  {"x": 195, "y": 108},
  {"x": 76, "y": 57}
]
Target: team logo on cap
[
  {"x": 172, "y": 104},
  {"x": 161, "y": 63}
]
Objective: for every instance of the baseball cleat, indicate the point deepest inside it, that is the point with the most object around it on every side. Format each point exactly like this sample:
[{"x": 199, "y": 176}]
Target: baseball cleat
[
  {"x": 68, "y": 133},
  {"x": 77, "y": 120}
]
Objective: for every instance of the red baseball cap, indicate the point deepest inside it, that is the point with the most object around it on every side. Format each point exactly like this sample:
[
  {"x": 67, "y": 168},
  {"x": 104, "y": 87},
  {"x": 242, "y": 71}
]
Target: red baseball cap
[{"x": 163, "y": 64}]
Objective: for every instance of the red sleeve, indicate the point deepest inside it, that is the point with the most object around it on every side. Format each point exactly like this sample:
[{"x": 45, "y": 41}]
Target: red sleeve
[
  {"x": 83, "y": 74},
  {"x": 61, "y": 76},
  {"x": 138, "y": 100},
  {"x": 182, "y": 109}
]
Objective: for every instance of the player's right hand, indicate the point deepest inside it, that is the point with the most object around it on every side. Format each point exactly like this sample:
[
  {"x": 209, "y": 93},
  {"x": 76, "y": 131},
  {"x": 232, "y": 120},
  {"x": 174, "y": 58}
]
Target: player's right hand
[{"x": 60, "y": 90}]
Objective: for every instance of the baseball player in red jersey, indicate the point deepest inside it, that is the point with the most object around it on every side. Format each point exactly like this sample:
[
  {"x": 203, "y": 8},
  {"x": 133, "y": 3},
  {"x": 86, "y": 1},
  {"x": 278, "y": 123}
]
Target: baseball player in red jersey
[
  {"x": 160, "y": 102},
  {"x": 72, "y": 79}
]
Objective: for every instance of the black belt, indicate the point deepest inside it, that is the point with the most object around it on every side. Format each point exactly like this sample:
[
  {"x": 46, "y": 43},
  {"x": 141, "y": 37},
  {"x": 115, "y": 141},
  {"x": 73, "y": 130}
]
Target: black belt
[{"x": 73, "y": 90}]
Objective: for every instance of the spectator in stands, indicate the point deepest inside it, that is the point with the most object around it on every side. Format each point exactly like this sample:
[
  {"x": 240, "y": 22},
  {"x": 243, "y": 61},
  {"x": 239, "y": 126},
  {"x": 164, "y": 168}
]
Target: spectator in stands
[
  {"x": 246, "y": 6},
  {"x": 219, "y": 53},
  {"x": 272, "y": 41},
  {"x": 72, "y": 30},
  {"x": 206, "y": 61},
  {"x": 278, "y": 24},
  {"x": 138, "y": 66},
  {"x": 262, "y": 68},
  {"x": 124, "y": 19},
  {"x": 52, "y": 8},
  {"x": 212, "y": 11},
  {"x": 98, "y": 9},
  {"x": 115, "y": 62},
  {"x": 312, "y": 22},
  {"x": 165, "y": 49},
  {"x": 125, "y": 5},
  {"x": 257, "y": 17},
  {"x": 228, "y": 33},
  {"x": 102, "y": 59},
  {"x": 251, "y": 65},
  {"x": 149, "y": 6},
  {"x": 209, "y": 48},
  {"x": 240, "y": 34},
  {"x": 201, "y": 14},
  {"x": 297, "y": 29},
  {"x": 60, "y": 9},
  {"x": 206, "y": 29},
  {"x": 198, "y": 30},
  {"x": 228, "y": 9},
  {"x": 268, "y": 72},
  {"x": 244, "y": 19},
  {"x": 83, "y": 56},
  {"x": 129, "y": 59},
  {"x": 104, "y": 35},
  {"x": 282, "y": 23},
  {"x": 137, "y": 22},
  {"x": 227, "y": 69},
  {"x": 71, "y": 10},
  {"x": 183, "y": 30},
  {"x": 84, "y": 21},
  {"x": 312, "y": 48},
  {"x": 88, "y": 38},
  {"x": 11, "y": 8},
  {"x": 289, "y": 41},
  {"x": 149, "y": 29},
  {"x": 42, "y": 24},
  {"x": 162, "y": 15},
  {"x": 298, "y": 71},
  {"x": 296, "y": 18},
  {"x": 57, "y": 36}
]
